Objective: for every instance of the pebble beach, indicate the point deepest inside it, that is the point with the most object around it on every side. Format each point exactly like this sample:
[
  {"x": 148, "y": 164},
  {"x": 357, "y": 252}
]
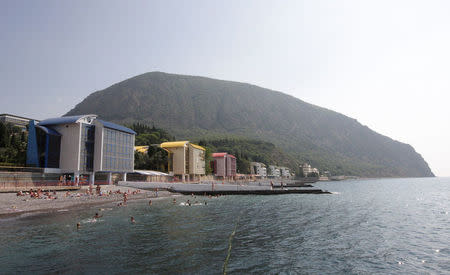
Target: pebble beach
[{"x": 13, "y": 205}]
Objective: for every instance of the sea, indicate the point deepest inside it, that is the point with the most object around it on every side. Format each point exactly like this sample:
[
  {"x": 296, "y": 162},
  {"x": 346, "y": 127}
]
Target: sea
[{"x": 375, "y": 226}]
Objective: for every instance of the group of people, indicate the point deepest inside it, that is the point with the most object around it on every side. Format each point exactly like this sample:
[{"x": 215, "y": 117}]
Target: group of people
[
  {"x": 132, "y": 219},
  {"x": 38, "y": 194},
  {"x": 125, "y": 196}
]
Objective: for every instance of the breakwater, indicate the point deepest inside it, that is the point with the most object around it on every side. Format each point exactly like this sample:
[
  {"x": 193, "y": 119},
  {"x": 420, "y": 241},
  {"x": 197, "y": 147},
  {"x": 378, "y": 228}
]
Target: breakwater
[{"x": 215, "y": 188}]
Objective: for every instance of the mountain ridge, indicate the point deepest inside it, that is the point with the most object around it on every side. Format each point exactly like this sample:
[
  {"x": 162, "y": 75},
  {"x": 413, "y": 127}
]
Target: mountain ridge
[{"x": 194, "y": 107}]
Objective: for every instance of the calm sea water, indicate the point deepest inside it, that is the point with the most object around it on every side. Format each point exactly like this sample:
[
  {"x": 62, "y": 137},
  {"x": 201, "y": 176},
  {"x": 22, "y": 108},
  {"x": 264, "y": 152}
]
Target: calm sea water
[{"x": 389, "y": 226}]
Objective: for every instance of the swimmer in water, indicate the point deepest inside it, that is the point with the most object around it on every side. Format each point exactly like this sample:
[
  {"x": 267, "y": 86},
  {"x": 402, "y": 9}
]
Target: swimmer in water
[
  {"x": 174, "y": 201},
  {"x": 97, "y": 216},
  {"x": 150, "y": 202},
  {"x": 132, "y": 220},
  {"x": 78, "y": 225}
]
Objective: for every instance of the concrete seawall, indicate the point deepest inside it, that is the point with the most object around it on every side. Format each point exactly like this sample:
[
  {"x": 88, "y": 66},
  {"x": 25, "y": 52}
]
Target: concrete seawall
[{"x": 220, "y": 189}]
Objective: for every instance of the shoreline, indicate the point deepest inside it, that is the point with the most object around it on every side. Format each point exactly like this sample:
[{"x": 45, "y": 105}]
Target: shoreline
[{"x": 14, "y": 206}]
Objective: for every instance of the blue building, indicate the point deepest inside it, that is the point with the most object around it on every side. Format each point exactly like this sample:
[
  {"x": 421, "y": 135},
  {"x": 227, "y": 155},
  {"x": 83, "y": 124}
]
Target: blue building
[{"x": 80, "y": 145}]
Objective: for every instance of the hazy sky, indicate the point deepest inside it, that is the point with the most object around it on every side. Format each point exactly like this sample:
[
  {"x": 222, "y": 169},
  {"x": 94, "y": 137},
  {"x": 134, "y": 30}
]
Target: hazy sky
[{"x": 385, "y": 63}]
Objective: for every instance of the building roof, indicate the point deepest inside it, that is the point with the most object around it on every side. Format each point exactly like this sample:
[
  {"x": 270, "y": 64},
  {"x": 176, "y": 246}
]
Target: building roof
[
  {"x": 48, "y": 130},
  {"x": 18, "y": 117},
  {"x": 61, "y": 120},
  {"x": 141, "y": 149},
  {"x": 174, "y": 144},
  {"x": 198, "y": 146},
  {"x": 220, "y": 155},
  {"x": 75, "y": 119},
  {"x": 116, "y": 127},
  {"x": 150, "y": 173}
]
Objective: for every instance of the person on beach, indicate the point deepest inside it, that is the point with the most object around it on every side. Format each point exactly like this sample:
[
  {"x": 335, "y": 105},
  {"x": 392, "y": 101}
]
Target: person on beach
[
  {"x": 271, "y": 185},
  {"x": 156, "y": 192},
  {"x": 132, "y": 220},
  {"x": 78, "y": 225},
  {"x": 98, "y": 189},
  {"x": 150, "y": 202},
  {"x": 174, "y": 201}
]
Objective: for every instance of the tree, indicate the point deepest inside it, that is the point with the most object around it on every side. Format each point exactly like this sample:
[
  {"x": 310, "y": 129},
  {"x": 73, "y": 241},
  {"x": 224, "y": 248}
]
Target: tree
[
  {"x": 3, "y": 135},
  {"x": 12, "y": 149},
  {"x": 208, "y": 160},
  {"x": 156, "y": 158}
]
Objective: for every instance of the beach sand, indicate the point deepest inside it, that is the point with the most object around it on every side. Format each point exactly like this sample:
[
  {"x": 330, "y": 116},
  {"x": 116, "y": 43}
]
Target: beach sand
[{"x": 11, "y": 204}]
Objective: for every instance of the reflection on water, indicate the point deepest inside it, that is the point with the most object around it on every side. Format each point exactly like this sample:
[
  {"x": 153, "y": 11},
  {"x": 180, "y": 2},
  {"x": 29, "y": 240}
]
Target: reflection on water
[{"x": 372, "y": 226}]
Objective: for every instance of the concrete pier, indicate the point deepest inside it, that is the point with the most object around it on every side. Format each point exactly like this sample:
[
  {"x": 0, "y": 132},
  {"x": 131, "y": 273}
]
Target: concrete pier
[
  {"x": 220, "y": 189},
  {"x": 251, "y": 192}
]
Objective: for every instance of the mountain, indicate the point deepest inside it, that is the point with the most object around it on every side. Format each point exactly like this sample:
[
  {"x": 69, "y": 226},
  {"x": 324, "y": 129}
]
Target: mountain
[{"x": 192, "y": 107}]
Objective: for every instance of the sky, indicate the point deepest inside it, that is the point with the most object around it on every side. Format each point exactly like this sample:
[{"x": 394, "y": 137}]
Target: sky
[{"x": 384, "y": 63}]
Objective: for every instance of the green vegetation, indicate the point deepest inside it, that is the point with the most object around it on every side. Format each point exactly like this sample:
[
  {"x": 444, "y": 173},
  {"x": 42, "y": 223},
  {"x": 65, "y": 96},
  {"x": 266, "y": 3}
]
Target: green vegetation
[
  {"x": 195, "y": 108},
  {"x": 13, "y": 145},
  {"x": 248, "y": 150},
  {"x": 156, "y": 157}
]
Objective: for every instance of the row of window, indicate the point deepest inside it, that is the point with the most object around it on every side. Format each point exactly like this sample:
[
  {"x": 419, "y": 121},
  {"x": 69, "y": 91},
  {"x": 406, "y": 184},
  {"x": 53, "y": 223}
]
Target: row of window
[
  {"x": 117, "y": 150},
  {"x": 117, "y": 164},
  {"x": 117, "y": 137},
  {"x": 88, "y": 133}
]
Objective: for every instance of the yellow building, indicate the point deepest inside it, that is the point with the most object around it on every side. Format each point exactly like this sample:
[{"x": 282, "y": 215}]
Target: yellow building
[
  {"x": 185, "y": 159},
  {"x": 141, "y": 149}
]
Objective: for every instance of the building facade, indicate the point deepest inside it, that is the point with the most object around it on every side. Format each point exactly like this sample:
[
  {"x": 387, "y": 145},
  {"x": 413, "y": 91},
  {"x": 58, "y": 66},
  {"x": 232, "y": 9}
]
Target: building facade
[
  {"x": 258, "y": 169},
  {"x": 185, "y": 159},
  {"x": 308, "y": 170},
  {"x": 21, "y": 122},
  {"x": 81, "y": 145},
  {"x": 285, "y": 172},
  {"x": 224, "y": 165},
  {"x": 274, "y": 171}
]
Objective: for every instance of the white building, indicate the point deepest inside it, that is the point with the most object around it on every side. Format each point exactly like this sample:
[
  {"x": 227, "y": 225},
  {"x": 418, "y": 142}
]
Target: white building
[
  {"x": 258, "y": 168},
  {"x": 274, "y": 171},
  {"x": 81, "y": 145},
  {"x": 307, "y": 169},
  {"x": 18, "y": 121},
  {"x": 285, "y": 172}
]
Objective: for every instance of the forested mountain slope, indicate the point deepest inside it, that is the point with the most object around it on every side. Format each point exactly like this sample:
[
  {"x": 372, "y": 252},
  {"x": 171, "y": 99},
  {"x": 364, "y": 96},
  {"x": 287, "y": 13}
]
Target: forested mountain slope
[{"x": 192, "y": 107}]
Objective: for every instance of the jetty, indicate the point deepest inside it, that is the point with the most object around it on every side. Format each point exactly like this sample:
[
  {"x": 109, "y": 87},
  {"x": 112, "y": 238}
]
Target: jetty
[{"x": 214, "y": 188}]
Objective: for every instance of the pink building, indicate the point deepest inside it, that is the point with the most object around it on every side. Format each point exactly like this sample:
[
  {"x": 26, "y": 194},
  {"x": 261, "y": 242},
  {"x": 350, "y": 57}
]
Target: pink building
[{"x": 224, "y": 165}]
